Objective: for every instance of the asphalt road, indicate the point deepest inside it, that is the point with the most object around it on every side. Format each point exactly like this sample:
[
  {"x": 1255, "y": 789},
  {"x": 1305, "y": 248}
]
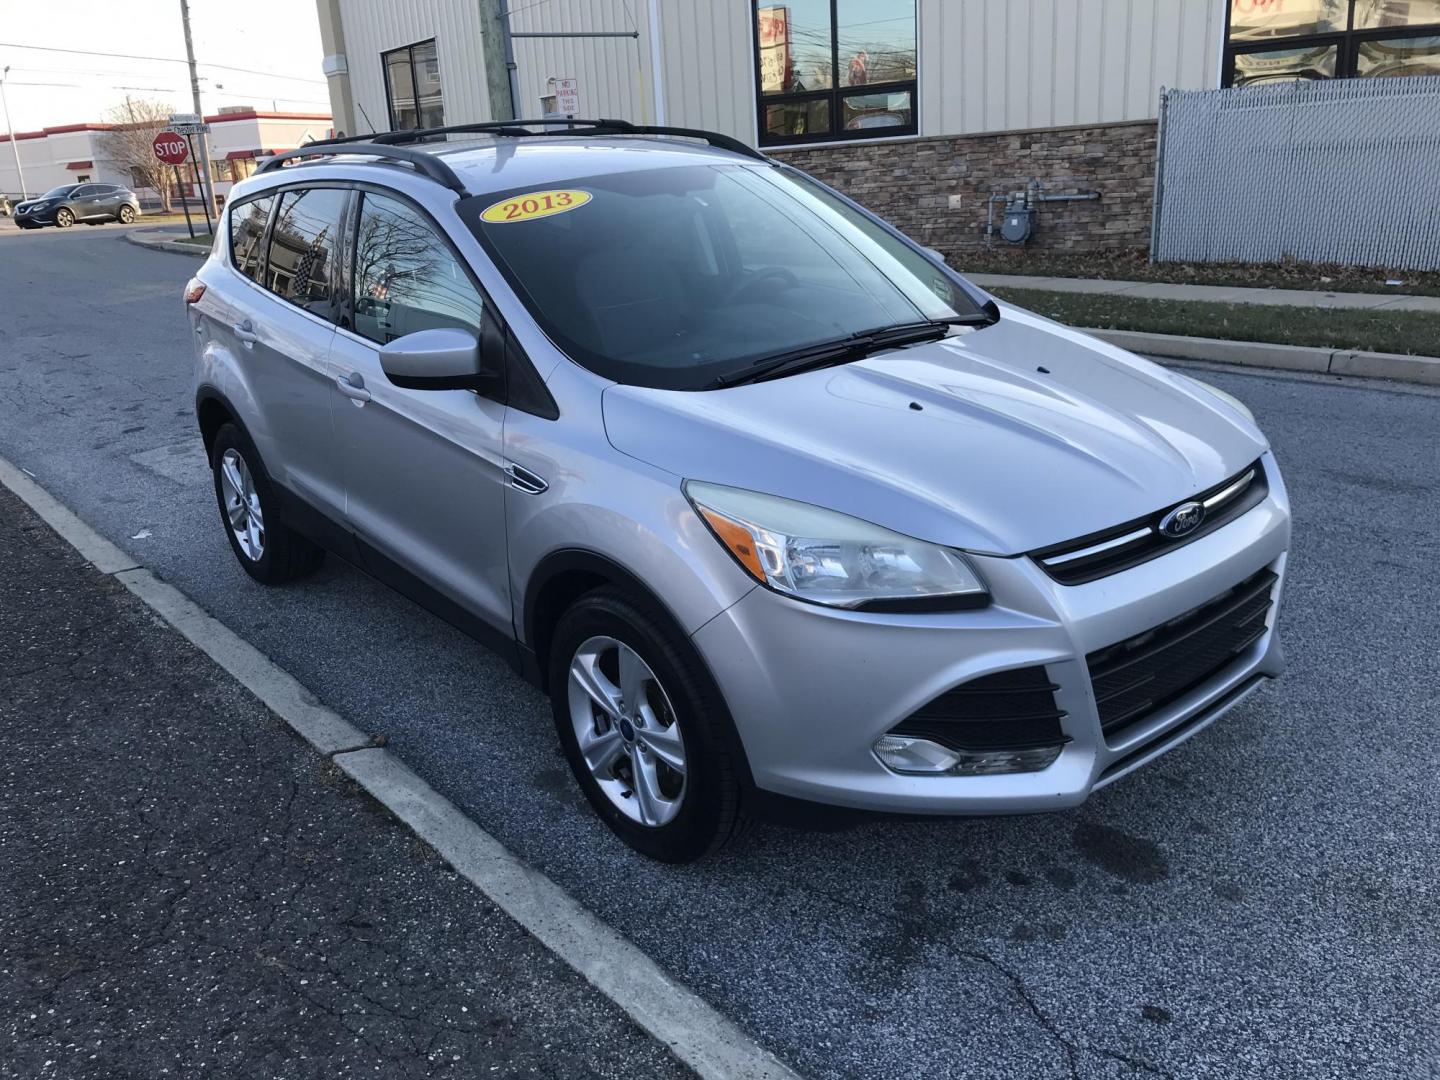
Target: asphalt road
[
  {"x": 1262, "y": 901},
  {"x": 188, "y": 891}
]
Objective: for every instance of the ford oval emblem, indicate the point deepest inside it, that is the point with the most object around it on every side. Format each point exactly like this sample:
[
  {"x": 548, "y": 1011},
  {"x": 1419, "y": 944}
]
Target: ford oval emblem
[{"x": 1183, "y": 520}]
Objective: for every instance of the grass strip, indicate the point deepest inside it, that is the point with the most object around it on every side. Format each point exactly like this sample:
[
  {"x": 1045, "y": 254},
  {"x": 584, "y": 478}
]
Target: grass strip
[
  {"x": 1414, "y": 332},
  {"x": 1133, "y": 265}
]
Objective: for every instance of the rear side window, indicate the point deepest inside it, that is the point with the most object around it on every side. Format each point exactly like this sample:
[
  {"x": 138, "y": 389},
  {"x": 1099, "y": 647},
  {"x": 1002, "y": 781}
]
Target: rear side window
[
  {"x": 303, "y": 245},
  {"x": 247, "y": 231},
  {"x": 406, "y": 278}
]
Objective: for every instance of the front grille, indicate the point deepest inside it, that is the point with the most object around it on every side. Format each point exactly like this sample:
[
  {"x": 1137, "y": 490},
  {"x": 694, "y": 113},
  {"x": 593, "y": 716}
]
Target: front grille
[
  {"x": 1135, "y": 677},
  {"x": 1008, "y": 710},
  {"x": 1123, "y": 546}
]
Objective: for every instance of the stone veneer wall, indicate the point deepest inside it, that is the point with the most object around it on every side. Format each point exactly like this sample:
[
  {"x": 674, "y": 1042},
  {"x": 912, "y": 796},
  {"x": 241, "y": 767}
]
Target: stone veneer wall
[{"x": 909, "y": 183}]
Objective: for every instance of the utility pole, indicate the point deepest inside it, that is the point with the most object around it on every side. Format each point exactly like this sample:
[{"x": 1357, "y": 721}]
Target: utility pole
[
  {"x": 14, "y": 146},
  {"x": 207, "y": 186}
]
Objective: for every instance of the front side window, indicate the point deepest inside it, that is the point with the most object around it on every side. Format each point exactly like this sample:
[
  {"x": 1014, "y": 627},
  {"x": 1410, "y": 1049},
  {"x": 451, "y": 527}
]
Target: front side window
[
  {"x": 247, "y": 234},
  {"x": 835, "y": 69},
  {"x": 1289, "y": 40},
  {"x": 674, "y": 277},
  {"x": 412, "y": 87},
  {"x": 406, "y": 277},
  {"x": 303, "y": 244}
]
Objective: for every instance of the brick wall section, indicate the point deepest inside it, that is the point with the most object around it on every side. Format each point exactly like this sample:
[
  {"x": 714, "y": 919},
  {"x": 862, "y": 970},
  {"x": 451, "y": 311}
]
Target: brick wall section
[{"x": 909, "y": 183}]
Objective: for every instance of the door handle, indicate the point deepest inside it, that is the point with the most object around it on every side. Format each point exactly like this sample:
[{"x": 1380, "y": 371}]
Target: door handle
[
  {"x": 353, "y": 387},
  {"x": 245, "y": 331}
]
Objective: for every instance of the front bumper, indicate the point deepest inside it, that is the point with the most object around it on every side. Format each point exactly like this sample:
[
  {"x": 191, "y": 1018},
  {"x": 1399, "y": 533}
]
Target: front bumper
[
  {"x": 812, "y": 688},
  {"x": 36, "y": 217}
]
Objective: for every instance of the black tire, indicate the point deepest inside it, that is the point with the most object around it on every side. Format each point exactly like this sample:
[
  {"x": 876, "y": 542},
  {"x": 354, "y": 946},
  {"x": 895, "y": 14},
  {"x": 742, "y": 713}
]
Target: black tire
[
  {"x": 64, "y": 218},
  {"x": 710, "y": 813},
  {"x": 126, "y": 215},
  {"x": 285, "y": 555}
]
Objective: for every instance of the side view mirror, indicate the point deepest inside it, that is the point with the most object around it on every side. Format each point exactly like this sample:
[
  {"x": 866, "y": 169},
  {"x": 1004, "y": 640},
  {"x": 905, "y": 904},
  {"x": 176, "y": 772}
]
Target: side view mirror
[
  {"x": 935, "y": 255},
  {"x": 443, "y": 359}
]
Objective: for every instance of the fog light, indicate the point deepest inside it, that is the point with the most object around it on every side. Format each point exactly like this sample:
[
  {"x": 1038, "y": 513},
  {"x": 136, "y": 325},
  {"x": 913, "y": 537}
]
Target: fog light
[{"x": 922, "y": 757}]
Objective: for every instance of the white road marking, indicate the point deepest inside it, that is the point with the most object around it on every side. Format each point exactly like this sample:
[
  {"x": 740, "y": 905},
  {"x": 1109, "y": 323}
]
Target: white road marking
[{"x": 696, "y": 1033}]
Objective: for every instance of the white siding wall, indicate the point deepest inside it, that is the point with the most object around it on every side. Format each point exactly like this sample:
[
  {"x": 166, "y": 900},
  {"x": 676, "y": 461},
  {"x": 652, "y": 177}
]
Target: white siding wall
[
  {"x": 373, "y": 27},
  {"x": 709, "y": 67},
  {"x": 996, "y": 65},
  {"x": 985, "y": 65},
  {"x": 613, "y": 72}
]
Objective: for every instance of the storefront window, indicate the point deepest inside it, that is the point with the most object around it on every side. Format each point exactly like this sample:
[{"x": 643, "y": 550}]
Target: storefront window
[
  {"x": 1284, "y": 65},
  {"x": 1370, "y": 14},
  {"x": 1252, "y": 20},
  {"x": 1399, "y": 56},
  {"x": 1284, "y": 40},
  {"x": 812, "y": 56},
  {"x": 412, "y": 87}
]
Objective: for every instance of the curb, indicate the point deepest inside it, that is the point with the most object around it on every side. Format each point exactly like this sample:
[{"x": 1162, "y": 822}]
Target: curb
[
  {"x": 1424, "y": 370},
  {"x": 158, "y": 242},
  {"x": 711, "y": 1044}
]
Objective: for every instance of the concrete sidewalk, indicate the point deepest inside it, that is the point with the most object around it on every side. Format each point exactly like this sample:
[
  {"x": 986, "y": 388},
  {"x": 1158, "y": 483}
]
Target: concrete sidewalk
[
  {"x": 189, "y": 892},
  {"x": 1213, "y": 294}
]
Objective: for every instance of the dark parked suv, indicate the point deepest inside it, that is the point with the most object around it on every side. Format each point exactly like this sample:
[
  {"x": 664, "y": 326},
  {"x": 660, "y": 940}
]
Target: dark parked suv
[{"x": 91, "y": 203}]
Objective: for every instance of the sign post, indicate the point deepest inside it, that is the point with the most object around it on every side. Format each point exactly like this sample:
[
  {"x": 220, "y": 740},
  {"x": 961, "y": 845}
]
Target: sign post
[
  {"x": 172, "y": 150},
  {"x": 199, "y": 183}
]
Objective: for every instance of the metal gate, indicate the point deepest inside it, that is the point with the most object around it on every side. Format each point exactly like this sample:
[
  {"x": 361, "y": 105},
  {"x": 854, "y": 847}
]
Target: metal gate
[{"x": 1343, "y": 171}]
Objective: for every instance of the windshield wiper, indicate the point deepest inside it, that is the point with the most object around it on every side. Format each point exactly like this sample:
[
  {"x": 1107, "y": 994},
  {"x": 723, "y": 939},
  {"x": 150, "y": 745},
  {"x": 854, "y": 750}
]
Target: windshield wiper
[{"x": 830, "y": 353}]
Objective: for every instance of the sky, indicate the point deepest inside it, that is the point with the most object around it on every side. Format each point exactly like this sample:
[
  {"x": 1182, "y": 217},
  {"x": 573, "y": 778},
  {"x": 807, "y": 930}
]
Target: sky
[{"x": 276, "y": 42}]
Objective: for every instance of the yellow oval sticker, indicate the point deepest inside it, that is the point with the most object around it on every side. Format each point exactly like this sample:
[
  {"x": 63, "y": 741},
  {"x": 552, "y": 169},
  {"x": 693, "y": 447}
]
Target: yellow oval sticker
[{"x": 537, "y": 204}]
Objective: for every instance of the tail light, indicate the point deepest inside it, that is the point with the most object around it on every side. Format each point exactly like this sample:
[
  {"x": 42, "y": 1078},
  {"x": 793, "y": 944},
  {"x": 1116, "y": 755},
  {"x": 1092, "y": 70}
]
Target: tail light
[{"x": 194, "y": 290}]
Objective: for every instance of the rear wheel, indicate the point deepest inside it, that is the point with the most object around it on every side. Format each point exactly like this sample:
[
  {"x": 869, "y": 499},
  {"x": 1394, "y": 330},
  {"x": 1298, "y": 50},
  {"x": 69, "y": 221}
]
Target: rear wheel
[
  {"x": 644, "y": 730},
  {"x": 64, "y": 217},
  {"x": 268, "y": 550},
  {"x": 127, "y": 215}
]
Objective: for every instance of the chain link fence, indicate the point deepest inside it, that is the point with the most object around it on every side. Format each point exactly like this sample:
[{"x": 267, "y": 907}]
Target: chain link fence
[{"x": 1343, "y": 171}]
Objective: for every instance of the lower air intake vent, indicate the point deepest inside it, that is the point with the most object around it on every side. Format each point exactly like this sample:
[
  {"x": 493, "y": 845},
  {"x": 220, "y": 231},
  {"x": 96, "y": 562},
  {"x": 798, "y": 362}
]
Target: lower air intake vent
[{"x": 1007, "y": 710}]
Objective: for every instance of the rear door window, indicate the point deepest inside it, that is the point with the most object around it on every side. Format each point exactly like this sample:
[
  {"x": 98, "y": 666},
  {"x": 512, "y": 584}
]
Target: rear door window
[
  {"x": 406, "y": 277},
  {"x": 303, "y": 244},
  {"x": 247, "y": 233}
]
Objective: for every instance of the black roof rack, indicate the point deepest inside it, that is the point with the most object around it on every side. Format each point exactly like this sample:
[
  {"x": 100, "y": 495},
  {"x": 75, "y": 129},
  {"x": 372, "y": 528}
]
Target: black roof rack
[
  {"x": 522, "y": 128},
  {"x": 429, "y": 164}
]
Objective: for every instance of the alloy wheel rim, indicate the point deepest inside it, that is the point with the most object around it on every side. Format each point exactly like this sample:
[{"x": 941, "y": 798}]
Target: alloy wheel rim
[
  {"x": 126, "y": 215},
  {"x": 63, "y": 217},
  {"x": 628, "y": 732},
  {"x": 242, "y": 505}
]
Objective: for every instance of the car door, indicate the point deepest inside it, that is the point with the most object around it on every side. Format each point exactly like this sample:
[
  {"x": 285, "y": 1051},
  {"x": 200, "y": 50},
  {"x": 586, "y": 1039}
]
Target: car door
[
  {"x": 83, "y": 202},
  {"x": 424, "y": 481},
  {"x": 278, "y": 322}
]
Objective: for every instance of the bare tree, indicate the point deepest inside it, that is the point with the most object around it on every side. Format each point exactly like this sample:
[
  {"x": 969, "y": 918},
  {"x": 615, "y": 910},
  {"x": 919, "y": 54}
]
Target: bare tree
[{"x": 128, "y": 146}]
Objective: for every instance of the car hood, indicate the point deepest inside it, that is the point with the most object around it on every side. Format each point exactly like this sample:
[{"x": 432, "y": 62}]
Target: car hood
[{"x": 1002, "y": 440}]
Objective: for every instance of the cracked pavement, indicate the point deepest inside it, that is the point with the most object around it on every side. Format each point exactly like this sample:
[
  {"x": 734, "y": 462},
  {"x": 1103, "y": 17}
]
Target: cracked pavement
[
  {"x": 189, "y": 890},
  {"x": 1261, "y": 901}
]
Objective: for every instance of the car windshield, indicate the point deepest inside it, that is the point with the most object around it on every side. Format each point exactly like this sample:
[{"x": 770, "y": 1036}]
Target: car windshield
[
  {"x": 63, "y": 189},
  {"x": 679, "y": 276}
]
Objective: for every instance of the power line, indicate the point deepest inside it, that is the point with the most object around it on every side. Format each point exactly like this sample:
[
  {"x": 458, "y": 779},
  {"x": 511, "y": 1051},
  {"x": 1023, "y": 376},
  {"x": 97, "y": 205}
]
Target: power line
[{"x": 161, "y": 59}]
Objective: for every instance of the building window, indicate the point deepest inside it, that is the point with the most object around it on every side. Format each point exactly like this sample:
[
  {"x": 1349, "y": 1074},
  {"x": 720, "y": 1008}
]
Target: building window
[
  {"x": 412, "y": 87},
  {"x": 1285, "y": 40},
  {"x": 834, "y": 69}
]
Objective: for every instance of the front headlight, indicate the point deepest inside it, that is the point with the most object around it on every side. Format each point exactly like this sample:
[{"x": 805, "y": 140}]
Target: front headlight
[
  {"x": 829, "y": 558},
  {"x": 1228, "y": 398}
]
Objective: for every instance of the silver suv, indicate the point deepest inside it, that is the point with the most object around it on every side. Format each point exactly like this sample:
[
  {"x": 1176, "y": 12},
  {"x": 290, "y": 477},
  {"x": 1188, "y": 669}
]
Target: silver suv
[{"x": 777, "y": 508}]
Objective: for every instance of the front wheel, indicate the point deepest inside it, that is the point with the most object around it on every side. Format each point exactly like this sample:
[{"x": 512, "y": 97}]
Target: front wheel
[
  {"x": 644, "y": 730},
  {"x": 64, "y": 218},
  {"x": 268, "y": 550},
  {"x": 127, "y": 215}
]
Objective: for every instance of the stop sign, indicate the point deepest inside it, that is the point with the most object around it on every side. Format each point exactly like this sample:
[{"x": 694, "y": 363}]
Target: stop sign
[{"x": 171, "y": 148}]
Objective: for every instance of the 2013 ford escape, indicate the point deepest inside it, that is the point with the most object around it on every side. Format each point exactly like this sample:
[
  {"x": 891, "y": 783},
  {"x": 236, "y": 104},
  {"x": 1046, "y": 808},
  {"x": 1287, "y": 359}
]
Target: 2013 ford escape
[{"x": 772, "y": 503}]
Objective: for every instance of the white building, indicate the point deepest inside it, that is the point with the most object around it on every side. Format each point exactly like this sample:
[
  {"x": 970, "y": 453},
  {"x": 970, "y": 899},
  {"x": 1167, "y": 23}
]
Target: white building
[
  {"x": 924, "y": 109},
  {"x": 77, "y": 153}
]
